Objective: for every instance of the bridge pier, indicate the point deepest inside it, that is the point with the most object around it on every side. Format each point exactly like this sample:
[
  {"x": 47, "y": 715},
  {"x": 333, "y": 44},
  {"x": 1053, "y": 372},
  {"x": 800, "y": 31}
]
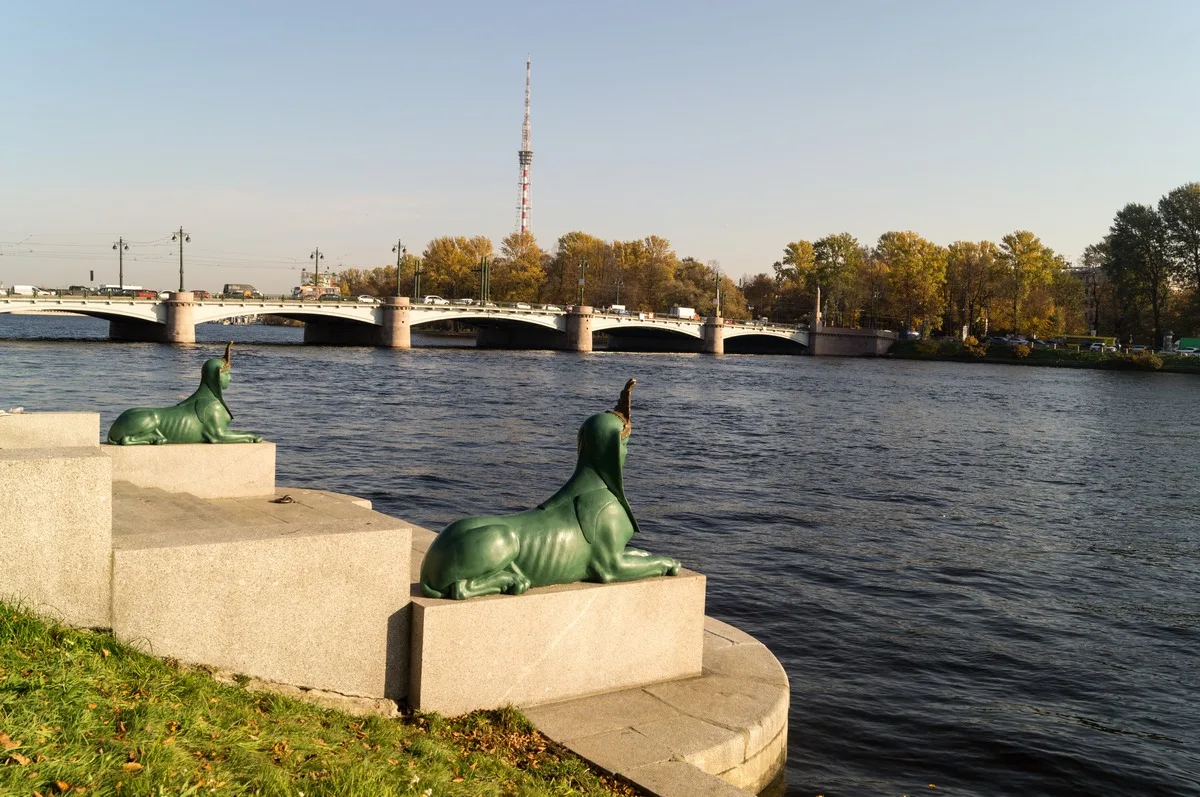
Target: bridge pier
[
  {"x": 395, "y": 331},
  {"x": 713, "y": 335},
  {"x": 579, "y": 328},
  {"x": 180, "y": 317}
]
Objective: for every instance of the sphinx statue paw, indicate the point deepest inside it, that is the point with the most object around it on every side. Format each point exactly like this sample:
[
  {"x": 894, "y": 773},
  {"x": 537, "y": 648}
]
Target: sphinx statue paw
[{"x": 672, "y": 567}]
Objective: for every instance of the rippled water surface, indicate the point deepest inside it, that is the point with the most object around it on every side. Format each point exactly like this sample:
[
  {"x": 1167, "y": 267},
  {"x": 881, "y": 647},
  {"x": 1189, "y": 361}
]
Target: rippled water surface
[{"x": 979, "y": 577}]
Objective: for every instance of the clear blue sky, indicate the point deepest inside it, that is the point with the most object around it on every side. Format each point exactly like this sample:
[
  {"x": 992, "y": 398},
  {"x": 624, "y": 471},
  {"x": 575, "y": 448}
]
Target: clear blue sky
[{"x": 268, "y": 129}]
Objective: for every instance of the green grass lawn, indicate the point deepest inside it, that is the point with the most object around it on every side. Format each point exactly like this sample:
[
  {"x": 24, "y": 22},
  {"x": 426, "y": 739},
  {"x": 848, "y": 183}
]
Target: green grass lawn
[{"x": 80, "y": 713}]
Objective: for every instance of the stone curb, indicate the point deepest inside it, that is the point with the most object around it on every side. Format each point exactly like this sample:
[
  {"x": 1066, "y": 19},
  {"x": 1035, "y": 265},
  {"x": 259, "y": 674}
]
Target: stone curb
[{"x": 722, "y": 734}]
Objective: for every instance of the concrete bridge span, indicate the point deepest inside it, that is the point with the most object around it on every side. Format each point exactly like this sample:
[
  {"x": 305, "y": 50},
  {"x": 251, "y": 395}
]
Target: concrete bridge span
[{"x": 389, "y": 323}]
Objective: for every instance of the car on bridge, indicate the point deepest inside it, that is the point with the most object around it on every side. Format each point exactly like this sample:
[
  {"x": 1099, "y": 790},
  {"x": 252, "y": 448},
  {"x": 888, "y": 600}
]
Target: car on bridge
[
  {"x": 431, "y": 299},
  {"x": 368, "y": 299}
]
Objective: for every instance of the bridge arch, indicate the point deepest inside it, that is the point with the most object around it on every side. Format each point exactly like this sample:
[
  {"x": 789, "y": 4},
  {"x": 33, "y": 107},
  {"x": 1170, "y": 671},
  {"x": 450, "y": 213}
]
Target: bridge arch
[{"x": 107, "y": 310}]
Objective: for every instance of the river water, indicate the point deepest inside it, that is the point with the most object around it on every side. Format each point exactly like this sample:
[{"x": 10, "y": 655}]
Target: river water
[{"x": 981, "y": 578}]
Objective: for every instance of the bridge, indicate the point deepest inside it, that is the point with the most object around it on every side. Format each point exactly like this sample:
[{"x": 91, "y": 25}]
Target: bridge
[{"x": 389, "y": 323}]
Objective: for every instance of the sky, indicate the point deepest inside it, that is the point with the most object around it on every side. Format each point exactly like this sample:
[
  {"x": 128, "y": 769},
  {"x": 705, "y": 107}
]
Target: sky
[{"x": 268, "y": 129}]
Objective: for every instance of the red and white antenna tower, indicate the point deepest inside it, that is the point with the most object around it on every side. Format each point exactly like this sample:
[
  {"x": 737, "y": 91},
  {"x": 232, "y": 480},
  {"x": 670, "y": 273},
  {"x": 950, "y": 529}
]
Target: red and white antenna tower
[{"x": 525, "y": 158}]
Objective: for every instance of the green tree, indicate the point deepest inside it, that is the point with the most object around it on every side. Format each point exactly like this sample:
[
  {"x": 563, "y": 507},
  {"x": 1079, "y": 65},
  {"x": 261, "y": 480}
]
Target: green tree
[
  {"x": 836, "y": 259},
  {"x": 916, "y": 271},
  {"x": 1180, "y": 213},
  {"x": 1138, "y": 252}
]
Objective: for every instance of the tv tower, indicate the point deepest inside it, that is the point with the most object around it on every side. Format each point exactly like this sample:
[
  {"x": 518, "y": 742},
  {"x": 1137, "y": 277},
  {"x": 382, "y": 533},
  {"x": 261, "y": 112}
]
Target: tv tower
[{"x": 525, "y": 159}]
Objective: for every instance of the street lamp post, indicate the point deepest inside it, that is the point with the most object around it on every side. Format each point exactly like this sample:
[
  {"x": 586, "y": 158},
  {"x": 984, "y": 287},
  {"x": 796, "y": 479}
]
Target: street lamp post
[
  {"x": 418, "y": 270},
  {"x": 485, "y": 279},
  {"x": 121, "y": 248},
  {"x": 400, "y": 253},
  {"x": 316, "y": 257},
  {"x": 582, "y": 278},
  {"x": 183, "y": 238}
]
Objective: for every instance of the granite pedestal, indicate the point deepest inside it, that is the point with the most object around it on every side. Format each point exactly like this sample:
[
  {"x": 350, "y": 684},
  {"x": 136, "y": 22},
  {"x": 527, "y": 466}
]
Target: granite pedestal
[
  {"x": 313, "y": 593},
  {"x": 205, "y": 470},
  {"x": 554, "y": 642}
]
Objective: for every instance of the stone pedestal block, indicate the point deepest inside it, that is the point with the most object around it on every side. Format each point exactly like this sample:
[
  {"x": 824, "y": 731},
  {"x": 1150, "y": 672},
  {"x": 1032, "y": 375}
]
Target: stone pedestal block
[
  {"x": 50, "y": 430},
  {"x": 205, "y": 470},
  {"x": 56, "y": 532},
  {"x": 554, "y": 643},
  {"x": 320, "y": 603}
]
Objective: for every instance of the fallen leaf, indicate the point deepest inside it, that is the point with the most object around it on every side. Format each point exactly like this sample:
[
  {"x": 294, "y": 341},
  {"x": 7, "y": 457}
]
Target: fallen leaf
[
  {"x": 62, "y": 786},
  {"x": 20, "y": 759},
  {"x": 105, "y": 652},
  {"x": 457, "y": 780},
  {"x": 7, "y": 742},
  {"x": 132, "y": 766}
]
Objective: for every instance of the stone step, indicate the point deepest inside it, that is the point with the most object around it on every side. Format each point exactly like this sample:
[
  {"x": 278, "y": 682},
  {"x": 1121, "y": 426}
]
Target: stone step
[{"x": 726, "y": 729}]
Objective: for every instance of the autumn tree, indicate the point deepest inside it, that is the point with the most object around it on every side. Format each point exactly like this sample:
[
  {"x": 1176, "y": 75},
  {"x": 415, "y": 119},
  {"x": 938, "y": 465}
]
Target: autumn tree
[
  {"x": 518, "y": 274},
  {"x": 971, "y": 282},
  {"x": 916, "y": 271},
  {"x": 795, "y": 279},
  {"x": 760, "y": 292},
  {"x": 573, "y": 251},
  {"x": 1027, "y": 265},
  {"x": 451, "y": 263}
]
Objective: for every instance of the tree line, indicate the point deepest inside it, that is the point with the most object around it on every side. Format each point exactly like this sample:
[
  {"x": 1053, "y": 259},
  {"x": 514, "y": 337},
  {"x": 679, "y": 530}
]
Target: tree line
[
  {"x": 643, "y": 275},
  {"x": 1142, "y": 279}
]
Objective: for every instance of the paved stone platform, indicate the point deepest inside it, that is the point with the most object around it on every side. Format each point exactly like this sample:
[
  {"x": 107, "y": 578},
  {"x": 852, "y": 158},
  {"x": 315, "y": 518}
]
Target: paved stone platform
[{"x": 313, "y": 592}]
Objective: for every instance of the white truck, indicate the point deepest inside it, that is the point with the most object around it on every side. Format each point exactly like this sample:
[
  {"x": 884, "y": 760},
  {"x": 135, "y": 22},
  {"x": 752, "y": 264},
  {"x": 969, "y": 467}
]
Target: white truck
[
  {"x": 682, "y": 312},
  {"x": 24, "y": 290}
]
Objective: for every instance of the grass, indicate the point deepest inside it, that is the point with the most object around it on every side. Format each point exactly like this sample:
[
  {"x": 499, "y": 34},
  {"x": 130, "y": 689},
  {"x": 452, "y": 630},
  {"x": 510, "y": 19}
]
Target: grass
[{"x": 80, "y": 713}]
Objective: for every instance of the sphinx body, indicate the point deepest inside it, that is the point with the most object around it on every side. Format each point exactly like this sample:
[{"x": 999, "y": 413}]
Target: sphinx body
[
  {"x": 202, "y": 417},
  {"x": 578, "y": 534}
]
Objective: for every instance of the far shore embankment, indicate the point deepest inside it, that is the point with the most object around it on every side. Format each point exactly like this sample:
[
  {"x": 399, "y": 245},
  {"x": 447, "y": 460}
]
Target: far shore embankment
[{"x": 954, "y": 350}]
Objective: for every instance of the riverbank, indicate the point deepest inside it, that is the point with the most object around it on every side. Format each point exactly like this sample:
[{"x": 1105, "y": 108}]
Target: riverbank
[
  {"x": 952, "y": 350},
  {"x": 81, "y": 712}
]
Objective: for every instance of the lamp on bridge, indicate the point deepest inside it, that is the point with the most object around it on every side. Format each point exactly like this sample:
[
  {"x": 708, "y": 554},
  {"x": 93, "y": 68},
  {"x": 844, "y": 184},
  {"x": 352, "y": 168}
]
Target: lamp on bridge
[
  {"x": 400, "y": 253},
  {"x": 182, "y": 237}
]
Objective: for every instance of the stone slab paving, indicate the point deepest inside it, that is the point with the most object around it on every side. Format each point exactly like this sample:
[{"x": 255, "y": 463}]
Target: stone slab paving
[{"x": 723, "y": 733}]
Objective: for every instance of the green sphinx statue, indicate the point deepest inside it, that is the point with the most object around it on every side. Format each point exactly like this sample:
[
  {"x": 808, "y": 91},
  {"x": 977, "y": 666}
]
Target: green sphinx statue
[
  {"x": 579, "y": 534},
  {"x": 202, "y": 417}
]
